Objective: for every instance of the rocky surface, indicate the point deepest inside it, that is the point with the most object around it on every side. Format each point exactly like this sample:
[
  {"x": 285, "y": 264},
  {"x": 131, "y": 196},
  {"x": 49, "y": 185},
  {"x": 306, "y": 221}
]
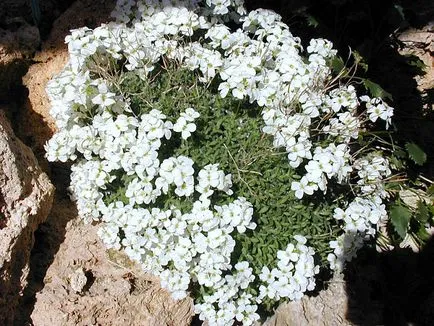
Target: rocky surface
[
  {"x": 36, "y": 13},
  {"x": 420, "y": 43},
  {"x": 346, "y": 300},
  {"x": 329, "y": 307},
  {"x": 26, "y": 196},
  {"x": 86, "y": 285}
]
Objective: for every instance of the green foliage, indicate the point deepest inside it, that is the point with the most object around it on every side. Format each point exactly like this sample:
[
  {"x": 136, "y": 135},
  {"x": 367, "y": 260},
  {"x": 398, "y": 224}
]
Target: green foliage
[
  {"x": 376, "y": 90},
  {"x": 340, "y": 68},
  {"x": 337, "y": 64},
  {"x": 411, "y": 218},
  {"x": 422, "y": 213},
  {"x": 417, "y": 63},
  {"x": 400, "y": 217},
  {"x": 360, "y": 61},
  {"x": 415, "y": 153},
  {"x": 229, "y": 133},
  {"x": 311, "y": 20}
]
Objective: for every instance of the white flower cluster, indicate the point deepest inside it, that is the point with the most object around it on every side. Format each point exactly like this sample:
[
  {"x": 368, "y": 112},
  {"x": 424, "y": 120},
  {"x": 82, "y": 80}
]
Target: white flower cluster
[
  {"x": 364, "y": 212},
  {"x": 377, "y": 108},
  {"x": 371, "y": 170},
  {"x": 211, "y": 177},
  {"x": 229, "y": 301},
  {"x": 268, "y": 67},
  {"x": 345, "y": 249},
  {"x": 178, "y": 171},
  {"x": 360, "y": 214},
  {"x": 260, "y": 61},
  {"x": 131, "y": 11},
  {"x": 332, "y": 161},
  {"x": 178, "y": 247},
  {"x": 185, "y": 123},
  {"x": 196, "y": 244},
  {"x": 294, "y": 275}
]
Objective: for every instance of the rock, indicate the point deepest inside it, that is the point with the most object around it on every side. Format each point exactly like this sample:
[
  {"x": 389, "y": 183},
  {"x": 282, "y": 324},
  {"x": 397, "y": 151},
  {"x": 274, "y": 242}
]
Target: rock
[
  {"x": 329, "y": 307},
  {"x": 26, "y": 196},
  {"x": 340, "y": 304},
  {"x": 353, "y": 299},
  {"x": 18, "y": 42},
  {"x": 78, "y": 280},
  {"x": 44, "y": 15},
  {"x": 36, "y": 122},
  {"x": 420, "y": 43},
  {"x": 117, "y": 291}
]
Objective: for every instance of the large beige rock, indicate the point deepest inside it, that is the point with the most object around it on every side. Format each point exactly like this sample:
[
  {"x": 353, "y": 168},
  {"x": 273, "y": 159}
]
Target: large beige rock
[
  {"x": 36, "y": 122},
  {"x": 26, "y": 196},
  {"x": 329, "y": 307},
  {"x": 88, "y": 285}
]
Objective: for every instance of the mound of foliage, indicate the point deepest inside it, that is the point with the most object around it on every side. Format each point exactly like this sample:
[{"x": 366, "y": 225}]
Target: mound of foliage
[{"x": 218, "y": 153}]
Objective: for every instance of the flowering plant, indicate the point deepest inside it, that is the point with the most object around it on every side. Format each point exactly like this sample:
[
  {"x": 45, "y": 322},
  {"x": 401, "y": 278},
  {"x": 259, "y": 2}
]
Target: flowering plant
[{"x": 217, "y": 152}]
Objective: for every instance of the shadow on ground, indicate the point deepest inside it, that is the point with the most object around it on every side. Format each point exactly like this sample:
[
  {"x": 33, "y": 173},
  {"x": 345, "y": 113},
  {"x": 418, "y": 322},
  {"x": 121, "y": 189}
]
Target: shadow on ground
[
  {"x": 48, "y": 239},
  {"x": 398, "y": 285}
]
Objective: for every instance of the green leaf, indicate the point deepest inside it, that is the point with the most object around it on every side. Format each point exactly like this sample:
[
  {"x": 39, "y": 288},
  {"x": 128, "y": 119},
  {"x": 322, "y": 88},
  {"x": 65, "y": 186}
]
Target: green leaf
[
  {"x": 337, "y": 64},
  {"x": 263, "y": 210},
  {"x": 431, "y": 208},
  {"x": 416, "y": 154},
  {"x": 422, "y": 213},
  {"x": 396, "y": 162},
  {"x": 422, "y": 234},
  {"x": 400, "y": 218},
  {"x": 415, "y": 62},
  {"x": 376, "y": 90},
  {"x": 360, "y": 61},
  {"x": 400, "y": 153},
  {"x": 311, "y": 21}
]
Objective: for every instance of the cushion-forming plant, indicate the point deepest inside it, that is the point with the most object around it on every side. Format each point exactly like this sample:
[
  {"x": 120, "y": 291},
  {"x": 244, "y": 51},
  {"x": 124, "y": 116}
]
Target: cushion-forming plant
[{"x": 168, "y": 112}]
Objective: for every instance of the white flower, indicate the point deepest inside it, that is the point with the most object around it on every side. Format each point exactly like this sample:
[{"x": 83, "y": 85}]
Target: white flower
[
  {"x": 303, "y": 187},
  {"x": 184, "y": 127},
  {"x": 295, "y": 273},
  {"x": 190, "y": 114},
  {"x": 104, "y": 98}
]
